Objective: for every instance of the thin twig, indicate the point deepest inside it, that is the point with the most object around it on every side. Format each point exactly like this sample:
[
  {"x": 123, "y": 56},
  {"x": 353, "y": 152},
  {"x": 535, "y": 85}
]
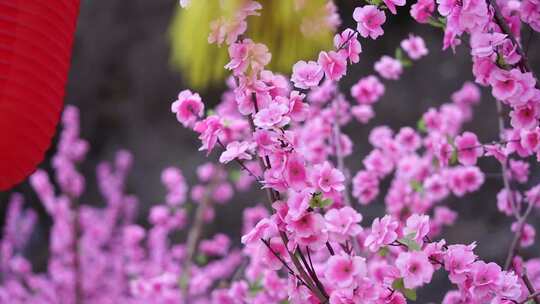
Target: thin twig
[
  {"x": 499, "y": 18},
  {"x": 504, "y": 168},
  {"x": 274, "y": 196},
  {"x": 78, "y": 293},
  {"x": 534, "y": 294},
  {"x": 241, "y": 164},
  {"x": 517, "y": 237},
  {"x": 192, "y": 242}
]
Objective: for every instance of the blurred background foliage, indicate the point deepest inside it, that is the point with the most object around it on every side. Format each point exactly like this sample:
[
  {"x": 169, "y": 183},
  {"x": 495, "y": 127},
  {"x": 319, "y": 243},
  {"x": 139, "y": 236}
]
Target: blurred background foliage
[{"x": 290, "y": 31}]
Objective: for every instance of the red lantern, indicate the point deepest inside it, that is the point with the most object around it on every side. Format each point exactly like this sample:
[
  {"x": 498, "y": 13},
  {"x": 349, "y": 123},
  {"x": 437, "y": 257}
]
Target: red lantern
[{"x": 36, "y": 38}]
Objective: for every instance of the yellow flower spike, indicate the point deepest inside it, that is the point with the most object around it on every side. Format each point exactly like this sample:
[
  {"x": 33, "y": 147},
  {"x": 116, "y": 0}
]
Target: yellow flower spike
[{"x": 279, "y": 27}]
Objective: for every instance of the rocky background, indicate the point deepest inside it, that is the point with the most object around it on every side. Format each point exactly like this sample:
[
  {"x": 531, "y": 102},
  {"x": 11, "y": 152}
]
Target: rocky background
[{"x": 123, "y": 84}]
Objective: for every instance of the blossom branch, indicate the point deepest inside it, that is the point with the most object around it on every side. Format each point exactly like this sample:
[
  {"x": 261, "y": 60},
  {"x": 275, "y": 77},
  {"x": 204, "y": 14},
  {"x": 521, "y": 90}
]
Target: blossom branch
[
  {"x": 534, "y": 295},
  {"x": 517, "y": 237},
  {"x": 499, "y": 18},
  {"x": 192, "y": 242}
]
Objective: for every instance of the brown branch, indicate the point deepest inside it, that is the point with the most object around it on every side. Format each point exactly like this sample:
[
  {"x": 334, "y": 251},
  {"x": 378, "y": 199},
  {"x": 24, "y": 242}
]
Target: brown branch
[
  {"x": 504, "y": 166},
  {"x": 499, "y": 18},
  {"x": 192, "y": 242},
  {"x": 274, "y": 196},
  {"x": 512, "y": 251},
  {"x": 534, "y": 294}
]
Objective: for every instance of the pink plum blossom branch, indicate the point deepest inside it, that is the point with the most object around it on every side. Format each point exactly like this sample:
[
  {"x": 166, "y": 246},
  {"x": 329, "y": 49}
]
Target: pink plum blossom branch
[
  {"x": 499, "y": 18},
  {"x": 193, "y": 238}
]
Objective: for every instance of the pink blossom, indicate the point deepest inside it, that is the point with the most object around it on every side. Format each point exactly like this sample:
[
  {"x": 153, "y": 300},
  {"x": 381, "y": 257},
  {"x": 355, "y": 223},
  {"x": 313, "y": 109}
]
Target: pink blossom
[
  {"x": 349, "y": 44},
  {"x": 342, "y": 270},
  {"x": 530, "y": 13},
  {"x": 343, "y": 223},
  {"x": 485, "y": 278},
  {"x": 298, "y": 203},
  {"x": 530, "y": 139},
  {"x": 519, "y": 170},
  {"x": 415, "y": 268},
  {"x": 506, "y": 203},
  {"x": 295, "y": 172},
  {"x": 363, "y": 113},
  {"x": 328, "y": 178},
  {"x": 524, "y": 117},
  {"x": 422, "y": 10},
  {"x": 435, "y": 187},
  {"x": 237, "y": 150},
  {"x": 472, "y": 178},
  {"x": 308, "y": 224},
  {"x": 367, "y": 90},
  {"x": 468, "y": 95},
  {"x": 264, "y": 229},
  {"x": 209, "y": 130},
  {"x": 391, "y": 4},
  {"x": 408, "y": 139},
  {"x": 272, "y": 116},
  {"x": 418, "y": 226},
  {"x": 527, "y": 236},
  {"x": 513, "y": 87},
  {"x": 247, "y": 54},
  {"x": 485, "y": 44},
  {"x": 457, "y": 262},
  {"x": 414, "y": 46},
  {"x": 307, "y": 74},
  {"x": 268, "y": 255},
  {"x": 444, "y": 216},
  {"x": 383, "y": 232},
  {"x": 365, "y": 187},
  {"x": 378, "y": 163},
  {"x": 369, "y": 19},
  {"x": 388, "y": 67},
  {"x": 333, "y": 63},
  {"x": 533, "y": 195},
  {"x": 188, "y": 108},
  {"x": 468, "y": 148}
]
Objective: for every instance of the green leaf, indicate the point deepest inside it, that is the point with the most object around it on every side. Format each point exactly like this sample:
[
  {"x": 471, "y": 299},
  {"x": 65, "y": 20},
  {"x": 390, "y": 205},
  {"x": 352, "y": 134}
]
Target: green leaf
[
  {"x": 398, "y": 54},
  {"x": 454, "y": 157},
  {"x": 400, "y": 286},
  {"x": 411, "y": 244},
  {"x": 440, "y": 22},
  {"x": 201, "y": 259},
  {"x": 409, "y": 294},
  {"x": 183, "y": 282},
  {"x": 255, "y": 288},
  {"x": 317, "y": 201},
  {"x": 421, "y": 126},
  {"x": 234, "y": 175},
  {"x": 417, "y": 186}
]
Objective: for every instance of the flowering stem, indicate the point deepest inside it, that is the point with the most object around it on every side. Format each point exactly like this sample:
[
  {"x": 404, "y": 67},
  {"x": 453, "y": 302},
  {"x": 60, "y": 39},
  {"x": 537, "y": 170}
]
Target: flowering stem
[
  {"x": 193, "y": 238},
  {"x": 272, "y": 197},
  {"x": 504, "y": 168},
  {"x": 312, "y": 272},
  {"x": 339, "y": 153},
  {"x": 517, "y": 237},
  {"x": 78, "y": 296},
  {"x": 499, "y": 18},
  {"x": 330, "y": 249},
  {"x": 291, "y": 272},
  {"x": 241, "y": 164},
  {"x": 535, "y": 295}
]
